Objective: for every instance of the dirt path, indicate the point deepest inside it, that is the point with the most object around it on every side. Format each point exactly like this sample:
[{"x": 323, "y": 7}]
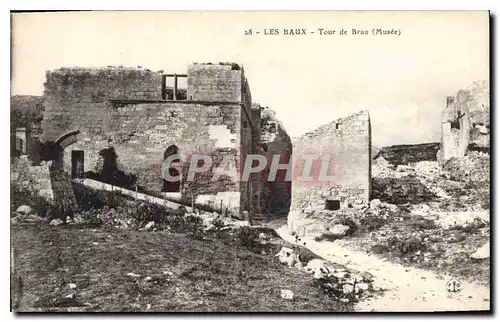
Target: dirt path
[{"x": 407, "y": 289}]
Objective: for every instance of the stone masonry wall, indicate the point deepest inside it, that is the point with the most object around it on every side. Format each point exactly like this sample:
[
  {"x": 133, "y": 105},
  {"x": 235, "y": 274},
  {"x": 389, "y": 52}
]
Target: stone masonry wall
[
  {"x": 27, "y": 112},
  {"x": 25, "y": 176},
  {"x": 140, "y": 134},
  {"x": 123, "y": 108},
  {"x": 70, "y": 92},
  {"x": 247, "y": 145},
  {"x": 207, "y": 82},
  {"x": 348, "y": 143}
]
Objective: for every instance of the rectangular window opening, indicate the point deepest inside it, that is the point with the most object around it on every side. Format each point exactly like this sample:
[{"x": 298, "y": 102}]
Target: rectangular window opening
[{"x": 174, "y": 83}]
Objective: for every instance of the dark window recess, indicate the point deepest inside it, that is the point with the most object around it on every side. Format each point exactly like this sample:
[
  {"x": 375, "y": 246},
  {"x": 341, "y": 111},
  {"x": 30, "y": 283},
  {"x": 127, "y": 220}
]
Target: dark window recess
[
  {"x": 272, "y": 128},
  {"x": 77, "y": 164},
  {"x": 19, "y": 145},
  {"x": 172, "y": 185},
  {"x": 332, "y": 204}
]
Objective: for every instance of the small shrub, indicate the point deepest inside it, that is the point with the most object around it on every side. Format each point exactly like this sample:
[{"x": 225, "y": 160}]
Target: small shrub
[
  {"x": 346, "y": 221},
  {"x": 144, "y": 212},
  {"x": 406, "y": 246},
  {"x": 59, "y": 209},
  {"x": 96, "y": 199},
  {"x": 91, "y": 217},
  {"x": 380, "y": 249},
  {"x": 305, "y": 255},
  {"x": 372, "y": 222},
  {"x": 218, "y": 223},
  {"x": 89, "y": 199},
  {"x": 472, "y": 227},
  {"x": 249, "y": 238},
  {"x": 195, "y": 225},
  {"x": 423, "y": 224}
]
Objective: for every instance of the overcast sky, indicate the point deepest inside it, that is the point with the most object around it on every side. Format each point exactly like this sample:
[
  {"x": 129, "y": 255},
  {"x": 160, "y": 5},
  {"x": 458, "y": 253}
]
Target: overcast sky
[{"x": 308, "y": 80}]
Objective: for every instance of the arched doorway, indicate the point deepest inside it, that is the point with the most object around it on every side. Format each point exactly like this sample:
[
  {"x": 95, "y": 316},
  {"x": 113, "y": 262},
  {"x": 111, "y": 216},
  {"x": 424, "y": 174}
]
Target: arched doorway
[
  {"x": 55, "y": 151},
  {"x": 171, "y": 166}
]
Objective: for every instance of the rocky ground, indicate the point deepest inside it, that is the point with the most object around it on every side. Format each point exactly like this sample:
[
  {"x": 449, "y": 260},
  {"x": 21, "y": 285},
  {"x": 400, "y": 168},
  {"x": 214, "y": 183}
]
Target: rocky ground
[
  {"x": 129, "y": 259},
  {"x": 428, "y": 225},
  {"x": 402, "y": 288},
  {"x": 427, "y": 217}
]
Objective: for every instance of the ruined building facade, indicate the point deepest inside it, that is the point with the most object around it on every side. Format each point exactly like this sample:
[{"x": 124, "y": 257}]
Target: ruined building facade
[
  {"x": 127, "y": 121},
  {"x": 133, "y": 111},
  {"x": 465, "y": 122},
  {"x": 345, "y": 144}
]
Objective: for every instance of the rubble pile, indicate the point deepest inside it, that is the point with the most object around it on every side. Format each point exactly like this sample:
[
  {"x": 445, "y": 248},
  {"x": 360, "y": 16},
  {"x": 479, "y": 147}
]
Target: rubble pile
[
  {"x": 430, "y": 175},
  {"x": 25, "y": 214},
  {"x": 474, "y": 167},
  {"x": 430, "y": 170},
  {"x": 340, "y": 283},
  {"x": 420, "y": 181},
  {"x": 332, "y": 225},
  {"x": 457, "y": 220},
  {"x": 389, "y": 171}
]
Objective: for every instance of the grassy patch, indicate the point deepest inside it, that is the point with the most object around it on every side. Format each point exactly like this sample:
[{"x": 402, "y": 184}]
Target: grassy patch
[{"x": 176, "y": 273}]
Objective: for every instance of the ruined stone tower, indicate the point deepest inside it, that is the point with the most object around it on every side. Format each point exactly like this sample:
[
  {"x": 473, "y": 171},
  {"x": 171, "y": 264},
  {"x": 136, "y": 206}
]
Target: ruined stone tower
[{"x": 133, "y": 111}]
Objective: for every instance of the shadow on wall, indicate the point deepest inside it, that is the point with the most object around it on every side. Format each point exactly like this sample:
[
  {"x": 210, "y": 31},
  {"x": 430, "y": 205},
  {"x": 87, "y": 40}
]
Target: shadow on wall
[
  {"x": 279, "y": 191},
  {"x": 109, "y": 172},
  {"x": 50, "y": 151},
  {"x": 173, "y": 170}
]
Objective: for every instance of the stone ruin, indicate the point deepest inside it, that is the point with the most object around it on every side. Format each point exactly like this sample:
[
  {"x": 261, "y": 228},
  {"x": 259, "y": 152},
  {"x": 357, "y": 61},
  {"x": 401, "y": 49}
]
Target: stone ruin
[
  {"x": 85, "y": 112},
  {"x": 135, "y": 114},
  {"x": 465, "y": 122},
  {"x": 140, "y": 117},
  {"x": 347, "y": 144}
]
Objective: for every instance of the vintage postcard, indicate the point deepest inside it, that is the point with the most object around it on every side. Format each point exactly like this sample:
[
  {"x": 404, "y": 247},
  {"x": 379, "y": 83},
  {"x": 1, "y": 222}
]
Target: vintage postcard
[{"x": 315, "y": 161}]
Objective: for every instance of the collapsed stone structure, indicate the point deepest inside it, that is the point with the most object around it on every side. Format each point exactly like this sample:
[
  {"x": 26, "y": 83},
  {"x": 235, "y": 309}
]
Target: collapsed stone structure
[
  {"x": 466, "y": 122},
  {"x": 132, "y": 115},
  {"x": 26, "y": 116},
  {"x": 88, "y": 111},
  {"x": 346, "y": 144},
  {"x": 29, "y": 172}
]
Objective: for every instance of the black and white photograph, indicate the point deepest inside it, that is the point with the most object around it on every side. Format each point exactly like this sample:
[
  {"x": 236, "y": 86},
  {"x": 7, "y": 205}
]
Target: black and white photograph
[{"x": 250, "y": 161}]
